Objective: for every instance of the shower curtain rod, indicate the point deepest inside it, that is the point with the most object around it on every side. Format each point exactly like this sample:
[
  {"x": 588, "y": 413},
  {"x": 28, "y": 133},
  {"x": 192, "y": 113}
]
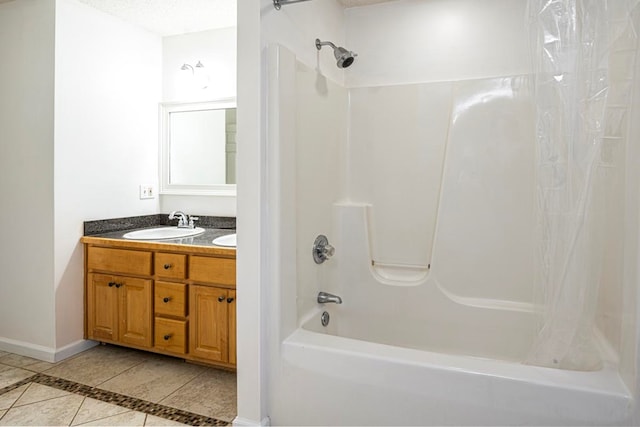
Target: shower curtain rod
[{"x": 279, "y": 3}]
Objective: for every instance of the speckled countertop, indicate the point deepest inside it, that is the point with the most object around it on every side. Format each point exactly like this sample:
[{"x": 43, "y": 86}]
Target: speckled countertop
[{"x": 115, "y": 229}]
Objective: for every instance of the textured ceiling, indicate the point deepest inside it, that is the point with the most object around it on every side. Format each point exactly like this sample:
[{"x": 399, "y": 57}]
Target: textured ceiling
[{"x": 171, "y": 17}]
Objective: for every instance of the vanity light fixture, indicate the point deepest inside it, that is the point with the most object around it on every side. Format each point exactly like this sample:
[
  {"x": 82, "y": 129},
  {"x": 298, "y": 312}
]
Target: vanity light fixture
[
  {"x": 200, "y": 78},
  {"x": 186, "y": 67}
]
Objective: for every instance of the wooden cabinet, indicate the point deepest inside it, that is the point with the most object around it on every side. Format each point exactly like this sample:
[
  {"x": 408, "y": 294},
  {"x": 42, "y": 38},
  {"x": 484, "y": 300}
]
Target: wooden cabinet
[
  {"x": 211, "y": 306},
  {"x": 119, "y": 309},
  {"x": 171, "y": 299},
  {"x": 209, "y": 333},
  {"x": 231, "y": 300},
  {"x": 171, "y": 335},
  {"x": 135, "y": 311},
  {"x": 102, "y": 308}
]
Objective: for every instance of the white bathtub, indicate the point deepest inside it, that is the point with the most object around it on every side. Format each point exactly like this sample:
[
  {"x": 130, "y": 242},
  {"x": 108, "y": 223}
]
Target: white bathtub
[
  {"x": 401, "y": 386},
  {"x": 441, "y": 345},
  {"x": 411, "y": 353}
]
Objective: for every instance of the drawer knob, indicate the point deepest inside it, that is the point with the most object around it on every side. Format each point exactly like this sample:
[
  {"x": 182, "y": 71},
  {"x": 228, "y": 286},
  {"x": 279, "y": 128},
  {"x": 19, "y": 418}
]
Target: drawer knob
[
  {"x": 230, "y": 300},
  {"x": 112, "y": 284},
  {"x": 221, "y": 298},
  {"x": 167, "y": 266},
  {"x": 167, "y": 337},
  {"x": 118, "y": 285},
  {"x": 166, "y": 299}
]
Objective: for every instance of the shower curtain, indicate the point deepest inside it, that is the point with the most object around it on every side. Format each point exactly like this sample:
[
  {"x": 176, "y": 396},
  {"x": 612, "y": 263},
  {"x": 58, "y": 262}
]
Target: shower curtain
[{"x": 574, "y": 48}]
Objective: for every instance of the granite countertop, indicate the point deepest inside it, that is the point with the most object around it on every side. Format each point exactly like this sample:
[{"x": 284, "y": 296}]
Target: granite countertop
[
  {"x": 204, "y": 239},
  {"x": 115, "y": 229}
]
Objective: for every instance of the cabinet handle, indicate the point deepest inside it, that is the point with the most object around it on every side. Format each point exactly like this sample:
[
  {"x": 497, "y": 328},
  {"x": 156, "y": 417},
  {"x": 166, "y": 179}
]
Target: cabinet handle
[
  {"x": 111, "y": 284},
  {"x": 221, "y": 298},
  {"x": 230, "y": 300},
  {"x": 118, "y": 285},
  {"x": 166, "y": 299},
  {"x": 167, "y": 266},
  {"x": 167, "y": 337}
]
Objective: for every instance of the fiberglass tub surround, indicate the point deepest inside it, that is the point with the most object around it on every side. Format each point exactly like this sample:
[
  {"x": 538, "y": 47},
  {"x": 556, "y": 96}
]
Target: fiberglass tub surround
[{"x": 478, "y": 227}]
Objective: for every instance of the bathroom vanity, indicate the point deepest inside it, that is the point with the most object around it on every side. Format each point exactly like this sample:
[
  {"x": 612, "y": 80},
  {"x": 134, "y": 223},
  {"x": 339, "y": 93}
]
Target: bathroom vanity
[{"x": 166, "y": 297}]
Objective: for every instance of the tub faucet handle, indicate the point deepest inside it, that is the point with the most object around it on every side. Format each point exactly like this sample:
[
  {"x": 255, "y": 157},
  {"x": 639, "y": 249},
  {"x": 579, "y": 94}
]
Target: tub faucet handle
[{"x": 322, "y": 250}]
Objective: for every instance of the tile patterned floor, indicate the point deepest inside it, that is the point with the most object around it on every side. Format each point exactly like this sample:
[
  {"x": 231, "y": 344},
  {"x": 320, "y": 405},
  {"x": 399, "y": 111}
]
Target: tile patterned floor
[{"x": 110, "y": 385}]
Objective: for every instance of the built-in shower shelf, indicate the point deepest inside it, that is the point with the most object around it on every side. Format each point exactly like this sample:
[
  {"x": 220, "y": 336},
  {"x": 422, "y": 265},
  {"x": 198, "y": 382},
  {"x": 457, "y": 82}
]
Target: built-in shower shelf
[{"x": 403, "y": 273}]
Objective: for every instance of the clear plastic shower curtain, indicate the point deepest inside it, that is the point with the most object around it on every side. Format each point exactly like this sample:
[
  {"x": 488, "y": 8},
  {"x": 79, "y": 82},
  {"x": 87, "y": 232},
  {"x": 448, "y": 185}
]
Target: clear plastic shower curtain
[{"x": 571, "y": 47}]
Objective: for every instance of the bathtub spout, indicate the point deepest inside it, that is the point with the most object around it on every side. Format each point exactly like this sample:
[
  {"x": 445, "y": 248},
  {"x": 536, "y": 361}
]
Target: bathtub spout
[{"x": 324, "y": 298}]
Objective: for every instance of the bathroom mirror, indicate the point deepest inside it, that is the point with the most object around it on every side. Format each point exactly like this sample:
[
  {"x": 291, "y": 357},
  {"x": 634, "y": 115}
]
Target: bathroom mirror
[{"x": 198, "y": 148}]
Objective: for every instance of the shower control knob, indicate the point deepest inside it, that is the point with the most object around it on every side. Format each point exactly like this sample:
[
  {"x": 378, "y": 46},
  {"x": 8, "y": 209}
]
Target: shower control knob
[
  {"x": 322, "y": 250},
  {"x": 328, "y": 251}
]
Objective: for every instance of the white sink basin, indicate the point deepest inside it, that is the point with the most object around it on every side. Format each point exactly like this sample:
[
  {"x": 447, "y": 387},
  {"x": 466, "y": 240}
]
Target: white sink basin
[
  {"x": 163, "y": 233},
  {"x": 229, "y": 241}
]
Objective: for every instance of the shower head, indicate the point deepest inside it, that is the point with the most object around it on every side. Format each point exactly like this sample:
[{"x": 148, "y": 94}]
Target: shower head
[{"x": 345, "y": 57}]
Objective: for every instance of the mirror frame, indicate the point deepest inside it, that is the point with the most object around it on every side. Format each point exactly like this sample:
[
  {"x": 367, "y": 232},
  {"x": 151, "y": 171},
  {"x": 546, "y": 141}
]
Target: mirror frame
[{"x": 165, "y": 109}]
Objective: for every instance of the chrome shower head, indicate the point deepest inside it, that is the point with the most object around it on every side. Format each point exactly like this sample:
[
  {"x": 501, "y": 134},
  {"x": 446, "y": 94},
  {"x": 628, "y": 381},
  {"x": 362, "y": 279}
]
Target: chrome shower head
[{"x": 345, "y": 57}]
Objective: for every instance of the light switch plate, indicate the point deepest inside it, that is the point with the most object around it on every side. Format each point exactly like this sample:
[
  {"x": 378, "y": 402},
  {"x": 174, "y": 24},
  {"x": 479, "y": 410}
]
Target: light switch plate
[{"x": 147, "y": 192}]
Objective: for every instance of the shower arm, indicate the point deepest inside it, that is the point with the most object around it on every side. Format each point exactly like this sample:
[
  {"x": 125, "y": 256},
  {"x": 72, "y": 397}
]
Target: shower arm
[
  {"x": 279, "y": 3},
  {"x": 319, "y": 44}
]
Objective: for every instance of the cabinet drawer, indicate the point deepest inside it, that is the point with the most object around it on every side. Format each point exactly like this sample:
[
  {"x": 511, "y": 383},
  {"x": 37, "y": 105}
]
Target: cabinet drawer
[
  {"x": 171, "y": 335},
  {"x": 212, "y": 270},
  {"x": 171, "y": 266},
  {"x": 121, "y": 261},
  {"x": 171, "y": 299}
]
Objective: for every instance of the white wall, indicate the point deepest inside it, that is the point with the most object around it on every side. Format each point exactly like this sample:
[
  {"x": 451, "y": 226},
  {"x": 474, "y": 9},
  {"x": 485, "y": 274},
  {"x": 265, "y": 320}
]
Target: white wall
[
  {"x": 26, "y": 175},
  {"x": 251, "y": 279},
  {"x": 108, "y": 84},
  {"x": 319, "y": 113},
  {"x": 409, "y": 41},
  {"x": 296, "y": 27},
  {"x": 217, "y": 50}
]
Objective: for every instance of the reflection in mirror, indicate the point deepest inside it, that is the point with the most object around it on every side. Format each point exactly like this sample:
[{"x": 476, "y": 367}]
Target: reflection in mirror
[{"x": 198, "y": 148}]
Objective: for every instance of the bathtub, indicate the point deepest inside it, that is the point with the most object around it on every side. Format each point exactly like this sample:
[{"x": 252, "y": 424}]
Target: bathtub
[
  {"x": 402, "y": 386},
  {"x": 406, "y": 351},
  {"x": 432, "y": 344}
]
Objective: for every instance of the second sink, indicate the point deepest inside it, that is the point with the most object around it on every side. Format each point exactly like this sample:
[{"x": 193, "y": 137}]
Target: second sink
[
  {"x": 163, "y": 233},
  {"x": 229, "y": 241}
]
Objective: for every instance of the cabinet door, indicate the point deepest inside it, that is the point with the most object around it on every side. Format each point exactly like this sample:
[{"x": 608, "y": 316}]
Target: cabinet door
[
  {"x": 135, "y": 311},
  {"x": 231, "y": 299},
  {"x": 208, "y": 331},
  {"x": 102, "y": 307}
]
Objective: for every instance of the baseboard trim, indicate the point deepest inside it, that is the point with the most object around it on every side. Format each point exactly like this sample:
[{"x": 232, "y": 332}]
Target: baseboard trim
[
  {"x": 244, "y": 422},
  {"x": 73, "y": 349},
  {"x": 40, "y": 352}
]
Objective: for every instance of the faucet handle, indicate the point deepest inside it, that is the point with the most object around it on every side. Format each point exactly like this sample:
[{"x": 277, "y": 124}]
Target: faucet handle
[
  {"x": 328, "y": 250},
  {"x": 322, "y": 250},
  {"x": 192, "y": 221}
]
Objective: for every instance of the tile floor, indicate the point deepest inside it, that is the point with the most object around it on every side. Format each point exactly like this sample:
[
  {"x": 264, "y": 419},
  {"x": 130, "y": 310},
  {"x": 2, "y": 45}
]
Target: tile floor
[{"x": 110, "y": 385}]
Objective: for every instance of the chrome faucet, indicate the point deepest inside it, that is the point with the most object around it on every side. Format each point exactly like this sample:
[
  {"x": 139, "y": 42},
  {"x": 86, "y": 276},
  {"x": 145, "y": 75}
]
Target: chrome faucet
[
  {"x": 324, "y": 298},
  {"x": 185, "y": 221}
]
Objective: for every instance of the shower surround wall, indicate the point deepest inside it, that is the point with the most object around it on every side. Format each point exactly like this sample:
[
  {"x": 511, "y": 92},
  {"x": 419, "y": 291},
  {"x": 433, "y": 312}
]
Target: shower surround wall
[{"x": 475, "y": 75}]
